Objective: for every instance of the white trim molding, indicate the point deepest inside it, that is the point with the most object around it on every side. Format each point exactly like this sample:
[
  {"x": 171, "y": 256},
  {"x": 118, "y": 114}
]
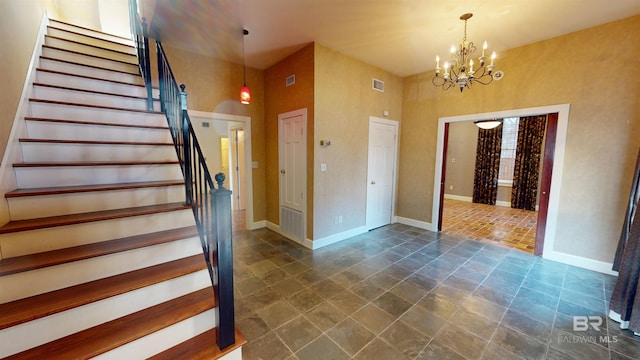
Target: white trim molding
[{"x": 415, "y": 223}]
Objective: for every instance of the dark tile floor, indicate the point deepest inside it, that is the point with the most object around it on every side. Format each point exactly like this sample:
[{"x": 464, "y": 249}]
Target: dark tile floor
[{"x": 400, "y": 292}]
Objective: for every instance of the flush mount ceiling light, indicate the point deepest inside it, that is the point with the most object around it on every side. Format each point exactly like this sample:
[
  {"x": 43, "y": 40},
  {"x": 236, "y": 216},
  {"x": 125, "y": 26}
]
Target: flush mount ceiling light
[
  {"x": 458, "y": 70},
  {"x": 245, "y": 94},
  {"x": 488, "y": 124}
]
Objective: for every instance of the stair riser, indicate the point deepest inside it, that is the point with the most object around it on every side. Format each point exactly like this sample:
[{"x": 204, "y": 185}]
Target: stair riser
[
  {"x": 74, "y": 273},
  {"x": 90, "y": 50},
  {"x": 89, "y": 60},
  {"x": 54, "y": 130},
  {"x": 46, "y": 329},
  {"x": 53, "y": 152},
  {"x": 85, "y": 113},
  {"x": 40, "y": 240},
  {"x": 49, "y": 78},
  {"x": 29, "y": 207},
  {"x": 91, "y": 40},
  {"x": 164, "y": 339},
  {"x": 64, "y": 95},
  {"x": 37, "y": 177},
  {"x": 90, "y": 32}
]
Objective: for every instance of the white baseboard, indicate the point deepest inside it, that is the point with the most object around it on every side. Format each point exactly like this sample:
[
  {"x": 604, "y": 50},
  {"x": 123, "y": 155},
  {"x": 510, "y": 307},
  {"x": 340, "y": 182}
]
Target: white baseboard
[
  {"x": 416, "y": 223},
  {"x": 273, "y": 227},
  {"x": 458, "y": 197},
  {"x": 579, "y": 261},
  {"x": 318, "y": 243},
  {"x": 257, "y": 225},
  {"x": 332, "y": 239}
]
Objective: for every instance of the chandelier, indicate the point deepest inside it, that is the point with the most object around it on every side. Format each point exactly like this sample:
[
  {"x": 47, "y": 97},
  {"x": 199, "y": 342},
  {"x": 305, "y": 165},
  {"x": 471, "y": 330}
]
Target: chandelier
[{"x": 459, "y": 70}]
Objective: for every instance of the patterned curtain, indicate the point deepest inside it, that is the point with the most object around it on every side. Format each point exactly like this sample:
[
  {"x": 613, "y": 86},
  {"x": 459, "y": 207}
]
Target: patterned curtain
[
  {"x": 485, "y": 181},
  {"x": 527, "y": 165}
]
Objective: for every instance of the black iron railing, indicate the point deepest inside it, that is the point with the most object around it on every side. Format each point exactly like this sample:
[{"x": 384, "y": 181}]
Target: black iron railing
[
  {"x": 140, "y": 35},
  {"x": 211, "y": 206}
]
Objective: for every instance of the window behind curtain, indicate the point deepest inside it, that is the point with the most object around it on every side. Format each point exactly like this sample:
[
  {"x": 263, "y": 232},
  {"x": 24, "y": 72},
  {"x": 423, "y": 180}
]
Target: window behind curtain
[{"x": 508, "y": 150}]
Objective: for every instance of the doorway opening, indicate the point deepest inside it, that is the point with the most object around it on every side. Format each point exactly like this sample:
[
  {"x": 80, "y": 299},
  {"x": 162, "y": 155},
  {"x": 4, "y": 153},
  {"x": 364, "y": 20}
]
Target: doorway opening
[
  {"x": 226, "y": 145},
  {"x": 552, "y": 159}
]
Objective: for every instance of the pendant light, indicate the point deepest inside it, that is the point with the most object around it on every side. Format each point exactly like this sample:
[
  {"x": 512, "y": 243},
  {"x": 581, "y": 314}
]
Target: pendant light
[{"x": 245, "y": 94}]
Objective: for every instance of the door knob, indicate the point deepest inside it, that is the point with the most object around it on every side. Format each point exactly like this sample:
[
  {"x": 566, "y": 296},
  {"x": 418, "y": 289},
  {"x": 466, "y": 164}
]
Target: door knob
[{"x": 282, "y": 171}]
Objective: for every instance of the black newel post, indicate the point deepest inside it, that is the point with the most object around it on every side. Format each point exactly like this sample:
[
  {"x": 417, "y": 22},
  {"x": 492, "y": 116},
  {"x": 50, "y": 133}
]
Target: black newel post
[{"x": 223, "y": 258}]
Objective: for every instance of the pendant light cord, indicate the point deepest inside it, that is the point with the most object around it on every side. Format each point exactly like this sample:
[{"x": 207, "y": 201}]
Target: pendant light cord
[{"x": 245, "y": 32}]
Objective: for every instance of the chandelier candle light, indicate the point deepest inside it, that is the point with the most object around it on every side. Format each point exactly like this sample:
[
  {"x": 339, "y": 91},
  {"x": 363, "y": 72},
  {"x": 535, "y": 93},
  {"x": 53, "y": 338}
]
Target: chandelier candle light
[{"x": 459, "y": 71}]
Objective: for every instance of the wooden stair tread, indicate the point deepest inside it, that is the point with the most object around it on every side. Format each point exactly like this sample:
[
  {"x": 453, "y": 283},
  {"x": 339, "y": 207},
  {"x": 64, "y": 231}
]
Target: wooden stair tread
[
  {"x": 202, "y": 346},
  {"x": 90, "y": 36},
  {"x": 79, "y": 122},
  {"x": 93, "y": 142},
  {"x": 38, "y": 306},
  {"x": 91, "y": 45},
  {"x": 94, "y": 106},
  {"x": 90, "y": 55},
  {"x": 92, "y": 91},
  {"x": 93, "y": 163},
  {"x": 90, "y": 77},
  {"x": 62, "y": 220},
  {"x": 102, "y": 338},
  {"x": 136, "y": 73},
  {"x": 29, "y": 262},
  {"x": 89, "y": 188},
  {"x": 86, "y": 28}
]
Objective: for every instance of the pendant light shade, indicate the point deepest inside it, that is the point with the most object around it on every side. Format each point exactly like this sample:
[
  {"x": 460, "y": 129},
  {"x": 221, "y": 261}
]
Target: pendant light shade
[
  {"x": 245, "y": 94},
  {"x": 488, "y": 124}
]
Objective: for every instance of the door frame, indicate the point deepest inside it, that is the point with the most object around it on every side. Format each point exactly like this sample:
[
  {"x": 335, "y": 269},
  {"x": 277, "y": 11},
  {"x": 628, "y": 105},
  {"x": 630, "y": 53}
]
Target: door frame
[
  {"x": 232, "y": 177},
  {"x": 396, "y": 125},
  {"x": 558, "y": 163},
  {"x": 248, "y": 163}
]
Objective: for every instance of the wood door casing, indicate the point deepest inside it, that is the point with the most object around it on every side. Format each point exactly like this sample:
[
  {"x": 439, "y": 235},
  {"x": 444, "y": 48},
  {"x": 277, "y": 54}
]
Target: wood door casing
[{"x": 545, "y": 181}]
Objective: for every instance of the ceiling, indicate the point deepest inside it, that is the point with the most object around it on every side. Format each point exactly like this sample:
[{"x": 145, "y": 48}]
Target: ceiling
[{"x": 400, "y": 36}]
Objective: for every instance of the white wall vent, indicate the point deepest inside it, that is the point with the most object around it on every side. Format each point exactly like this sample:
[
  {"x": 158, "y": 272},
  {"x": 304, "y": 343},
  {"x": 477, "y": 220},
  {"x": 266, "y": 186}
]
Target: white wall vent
[
  {"x": 291, "y": 79},
  {"x": 377, "y": 85},
  {"x": 292, "y": 222}
]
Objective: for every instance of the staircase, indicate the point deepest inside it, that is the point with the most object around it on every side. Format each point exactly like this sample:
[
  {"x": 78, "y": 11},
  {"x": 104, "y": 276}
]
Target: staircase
[{"x": 101, "y": 257}]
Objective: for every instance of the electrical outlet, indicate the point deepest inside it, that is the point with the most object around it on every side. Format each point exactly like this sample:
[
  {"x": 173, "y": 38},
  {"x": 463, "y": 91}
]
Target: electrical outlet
[
  {"x": 340, "y": 219},
  {"x": 450, "y": 187},
  {"x": 336, "y": 220}
]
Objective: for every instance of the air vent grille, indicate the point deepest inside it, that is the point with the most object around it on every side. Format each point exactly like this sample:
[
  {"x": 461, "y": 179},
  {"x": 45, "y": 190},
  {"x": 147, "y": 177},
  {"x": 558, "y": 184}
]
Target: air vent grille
[{"x": 377, "y": 85}]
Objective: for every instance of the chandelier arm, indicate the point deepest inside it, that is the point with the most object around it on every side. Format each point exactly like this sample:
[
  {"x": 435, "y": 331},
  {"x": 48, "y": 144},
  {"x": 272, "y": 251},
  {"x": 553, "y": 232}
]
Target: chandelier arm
[{"x": 488, "y": 79}]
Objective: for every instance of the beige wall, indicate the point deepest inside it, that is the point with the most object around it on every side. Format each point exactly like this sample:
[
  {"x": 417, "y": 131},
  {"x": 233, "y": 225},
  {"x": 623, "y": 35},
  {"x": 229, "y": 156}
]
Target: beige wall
[
  {"x": 19, "y": 21},
  {"x": 213, "y": 85},
  {"x": 596, "y": 71},
  {"x": 344, "y": 100},
  {"x": 461, "y": 158},
  {"x": 281, "y": 99}
]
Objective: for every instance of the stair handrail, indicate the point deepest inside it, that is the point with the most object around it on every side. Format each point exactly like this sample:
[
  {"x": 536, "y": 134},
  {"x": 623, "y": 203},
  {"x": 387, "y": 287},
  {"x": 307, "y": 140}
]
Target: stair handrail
[
  {"x": 211, "y": 206},
  {"x": 140, "y": 36}
]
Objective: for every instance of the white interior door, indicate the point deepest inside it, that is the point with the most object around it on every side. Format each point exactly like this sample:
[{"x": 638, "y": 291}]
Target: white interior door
[
  {"x": 383, "y": 135},
  {"x": 292, "y": 131},
  {"x": 292, "y": 153}
]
